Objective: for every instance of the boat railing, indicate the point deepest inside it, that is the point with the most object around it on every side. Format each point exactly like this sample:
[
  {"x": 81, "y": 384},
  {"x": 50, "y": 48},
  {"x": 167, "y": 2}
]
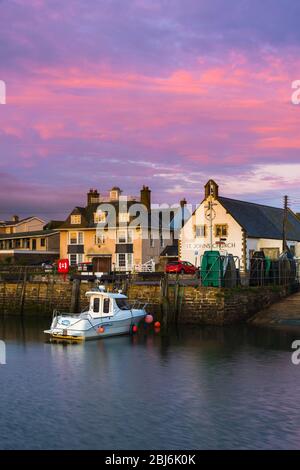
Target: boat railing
[
  {"x": 138, "y": 305},
  {"x": 57, "y": 313}
]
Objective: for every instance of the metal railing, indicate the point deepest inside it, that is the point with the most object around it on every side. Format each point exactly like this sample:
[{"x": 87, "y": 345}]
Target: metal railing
[{"x": 148, "y": 267}]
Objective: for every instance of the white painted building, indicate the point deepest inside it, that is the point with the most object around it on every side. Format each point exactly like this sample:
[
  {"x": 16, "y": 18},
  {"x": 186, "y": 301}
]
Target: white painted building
[{"x": 236, "y": 227}]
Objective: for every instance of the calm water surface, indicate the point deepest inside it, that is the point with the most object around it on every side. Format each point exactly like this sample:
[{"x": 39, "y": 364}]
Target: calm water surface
[{"x": 198, "y": 388}]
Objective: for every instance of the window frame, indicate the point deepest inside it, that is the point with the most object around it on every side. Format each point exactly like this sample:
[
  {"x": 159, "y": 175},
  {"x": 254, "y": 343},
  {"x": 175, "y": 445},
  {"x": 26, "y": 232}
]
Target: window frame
[
  {"x": 106, "y": 301},
  {"x": 222, "y": 234},
  {"x": 75, "y": 217},
  {"x": 79, "y": 238},
  {"x": 203, "y": 231}
]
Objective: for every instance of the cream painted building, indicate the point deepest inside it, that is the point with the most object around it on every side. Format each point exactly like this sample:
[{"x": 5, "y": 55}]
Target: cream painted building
[
  {"x": 17, "y": 225},
  {"x": 122, "y": 245},
  {"x": 236, "y": 227}
]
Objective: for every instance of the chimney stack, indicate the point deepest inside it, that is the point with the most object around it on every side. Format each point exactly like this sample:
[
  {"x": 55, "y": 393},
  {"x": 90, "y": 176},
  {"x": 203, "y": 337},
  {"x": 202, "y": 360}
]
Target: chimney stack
[
  {"x": 146, "y": 197},
  {"x": 93, "y": 197},
  {"x": 15, "y": 218}
]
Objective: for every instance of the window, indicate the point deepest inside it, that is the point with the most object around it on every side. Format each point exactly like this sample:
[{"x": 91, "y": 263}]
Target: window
[
  {"x": 122, "y": 260},
  {"x": 96, "y": 305},
  {"x": 106, "y": 305},
  {"x": 99, "y": 216},
  {"x": 43, "y": 241},
  {"x": 123, "y": 217},
  {"x": 221, "y": 230},
  {"x": 129, "y": 260},
  {"x": 76, "y": 238},
  {"x": 122, "y": 237},
  {"x": 123, "y": 304},
  {"x": 73, "y": 238},
  {"x": 125, "y": 236},
  {"x": 73, "y": 260},
  {"x": 76, "y": 219},
  {"x": 200, "y": 231},
  {"x": 34, "y": 244},
  {"x": 99, "y": 239}
]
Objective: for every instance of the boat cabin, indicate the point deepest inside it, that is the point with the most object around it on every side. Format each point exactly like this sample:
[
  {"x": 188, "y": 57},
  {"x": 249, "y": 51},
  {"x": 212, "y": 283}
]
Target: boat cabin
[{"x": 106, "y": 304}]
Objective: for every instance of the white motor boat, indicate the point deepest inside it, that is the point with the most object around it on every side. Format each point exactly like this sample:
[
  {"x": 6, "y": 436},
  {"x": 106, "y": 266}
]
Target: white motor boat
[{"x": 108, "y": 314}]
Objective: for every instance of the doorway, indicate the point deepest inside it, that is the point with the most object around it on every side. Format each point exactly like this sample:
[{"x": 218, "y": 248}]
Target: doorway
[{"x": 102, "y": 264}]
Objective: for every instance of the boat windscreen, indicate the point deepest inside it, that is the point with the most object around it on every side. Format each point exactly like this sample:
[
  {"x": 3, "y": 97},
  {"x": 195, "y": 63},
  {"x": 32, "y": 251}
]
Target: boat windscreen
[{"x": 123, "y": 304}]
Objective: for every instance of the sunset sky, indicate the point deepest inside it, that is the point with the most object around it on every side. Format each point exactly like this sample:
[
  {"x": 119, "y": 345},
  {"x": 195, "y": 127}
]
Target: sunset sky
[{"x": 167, "y": 93}]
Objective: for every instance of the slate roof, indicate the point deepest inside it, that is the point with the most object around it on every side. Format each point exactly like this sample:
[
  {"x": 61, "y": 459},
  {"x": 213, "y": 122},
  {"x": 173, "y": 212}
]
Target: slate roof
[
  {"x": 38, "y": 233},
  {"x": 170, "y": 250},
  {"x": 87, "y": 216},
  {"x": 11, "y": 222},
  {"x": 261, "y": 221}
]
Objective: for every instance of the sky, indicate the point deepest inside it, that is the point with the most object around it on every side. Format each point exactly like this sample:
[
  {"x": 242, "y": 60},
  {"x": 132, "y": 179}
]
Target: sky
[{"x": 167, "y": 93}]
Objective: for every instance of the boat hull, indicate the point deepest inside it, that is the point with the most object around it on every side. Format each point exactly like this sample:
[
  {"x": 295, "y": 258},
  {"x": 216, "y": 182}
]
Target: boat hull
[{"x": 88, "y": 329}]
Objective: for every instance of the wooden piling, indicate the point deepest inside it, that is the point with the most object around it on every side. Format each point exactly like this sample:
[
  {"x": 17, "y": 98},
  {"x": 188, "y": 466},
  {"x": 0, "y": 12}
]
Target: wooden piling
[
  {"x": 164, "y": 301},
  {"x": 75, "y": 296},
  {"x": 23, "y": 292}
]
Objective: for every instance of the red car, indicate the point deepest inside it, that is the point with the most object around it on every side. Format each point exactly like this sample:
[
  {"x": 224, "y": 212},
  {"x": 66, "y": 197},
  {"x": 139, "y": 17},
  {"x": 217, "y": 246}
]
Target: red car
[{"x": 182, "y": 267}]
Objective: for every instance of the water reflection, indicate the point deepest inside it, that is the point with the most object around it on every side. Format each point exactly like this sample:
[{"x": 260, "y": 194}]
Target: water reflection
[{"x": 232, "y": 387}]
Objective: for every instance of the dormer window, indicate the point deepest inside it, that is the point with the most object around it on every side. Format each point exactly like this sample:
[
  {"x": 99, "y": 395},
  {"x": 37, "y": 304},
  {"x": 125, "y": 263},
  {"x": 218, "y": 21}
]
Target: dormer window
[
  {"x": 99, "y": 217},
  {"x": 76, "y": 219},
  {"x": 115, "y": 193}
]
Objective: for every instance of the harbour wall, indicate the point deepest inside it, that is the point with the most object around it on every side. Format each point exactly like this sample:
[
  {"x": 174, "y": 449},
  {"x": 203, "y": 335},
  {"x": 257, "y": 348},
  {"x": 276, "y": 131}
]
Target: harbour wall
[{"x": 173, "y": 303}]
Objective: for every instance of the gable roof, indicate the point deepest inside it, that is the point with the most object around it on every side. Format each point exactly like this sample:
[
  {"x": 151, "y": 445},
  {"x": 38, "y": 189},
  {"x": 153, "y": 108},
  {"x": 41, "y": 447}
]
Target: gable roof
[
  {"x": 261, "y": 221},
  {"x": 8, "y": 223}
]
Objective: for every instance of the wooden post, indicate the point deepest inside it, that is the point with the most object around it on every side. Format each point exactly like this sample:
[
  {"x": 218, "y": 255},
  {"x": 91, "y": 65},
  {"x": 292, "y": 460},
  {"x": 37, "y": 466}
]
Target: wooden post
[
  {"x": 23, "y": 293},
  {"x": 165, "y": 301},
  {"x": 75, "y": 296},
  {"x": 285, "y": 219}
]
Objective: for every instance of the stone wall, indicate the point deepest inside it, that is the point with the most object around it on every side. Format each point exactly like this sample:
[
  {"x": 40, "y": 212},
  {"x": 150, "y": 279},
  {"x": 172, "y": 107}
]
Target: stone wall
[{"x": 187, "y": 304}]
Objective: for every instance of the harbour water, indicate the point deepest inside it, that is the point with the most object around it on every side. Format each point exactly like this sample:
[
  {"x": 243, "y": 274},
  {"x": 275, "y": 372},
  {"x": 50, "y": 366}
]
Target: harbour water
[{"x": 196, "y": 388}]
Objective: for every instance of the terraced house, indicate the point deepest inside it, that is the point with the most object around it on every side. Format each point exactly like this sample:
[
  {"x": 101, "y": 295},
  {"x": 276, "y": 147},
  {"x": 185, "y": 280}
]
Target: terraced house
[
  {"x": 27, "y": 241},
  {"x": 125, "y": 243}
]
